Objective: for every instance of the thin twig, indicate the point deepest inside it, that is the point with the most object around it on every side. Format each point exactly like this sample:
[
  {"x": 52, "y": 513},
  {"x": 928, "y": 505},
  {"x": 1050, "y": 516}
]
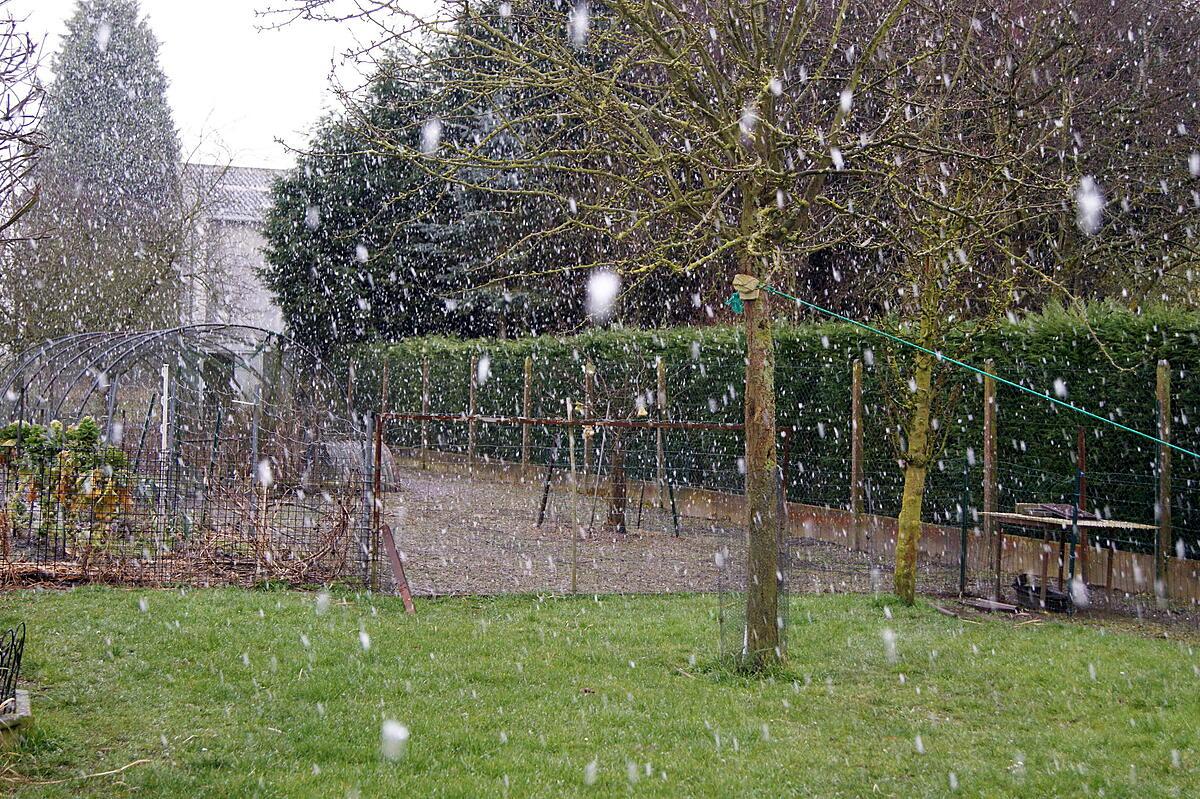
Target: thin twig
[{"x": 89, "y": 776}]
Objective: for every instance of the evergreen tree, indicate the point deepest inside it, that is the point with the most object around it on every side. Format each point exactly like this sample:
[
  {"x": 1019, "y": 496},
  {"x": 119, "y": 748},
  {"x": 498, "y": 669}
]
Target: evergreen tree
[
  {"x": 361, "y": 246},
  {"x": 344, "y": 256},
  {"x": 465, "y": 256},
  {"x": 109, "y": 179}
]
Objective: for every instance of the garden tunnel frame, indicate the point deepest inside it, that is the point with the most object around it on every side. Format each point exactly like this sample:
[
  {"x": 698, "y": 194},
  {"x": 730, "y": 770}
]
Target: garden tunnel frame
[{"x": 234, "y": 440}]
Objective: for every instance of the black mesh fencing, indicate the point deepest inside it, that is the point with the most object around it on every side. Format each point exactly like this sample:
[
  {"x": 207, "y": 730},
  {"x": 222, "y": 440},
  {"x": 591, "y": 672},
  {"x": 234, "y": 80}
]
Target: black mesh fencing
[
  {"x": 492, "y": 437},
  {"x": 107, "y": 514}
]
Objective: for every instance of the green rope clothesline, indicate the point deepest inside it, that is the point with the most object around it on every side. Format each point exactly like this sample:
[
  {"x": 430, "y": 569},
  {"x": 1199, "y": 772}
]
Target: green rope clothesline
[{"x": 736, "y": 303}]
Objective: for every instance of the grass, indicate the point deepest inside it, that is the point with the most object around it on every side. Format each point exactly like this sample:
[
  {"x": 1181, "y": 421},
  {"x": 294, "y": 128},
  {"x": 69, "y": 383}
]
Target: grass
[{"x": 229, "y": 693}]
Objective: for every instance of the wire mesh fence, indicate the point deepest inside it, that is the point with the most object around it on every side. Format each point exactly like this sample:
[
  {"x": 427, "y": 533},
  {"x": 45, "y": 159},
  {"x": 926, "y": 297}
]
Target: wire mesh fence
[
  {"x": 499, "y": 518},
  {"x": 596, "y": 474},
  {"x": 207, "y": 454},
  {"x": 840, "y": 471},
  {"x": 68, "y": 517}
]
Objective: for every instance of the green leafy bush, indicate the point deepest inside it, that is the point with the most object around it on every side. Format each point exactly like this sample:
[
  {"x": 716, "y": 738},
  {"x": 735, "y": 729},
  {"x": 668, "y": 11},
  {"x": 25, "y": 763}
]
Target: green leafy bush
[{"x": 1104, "y": 362}]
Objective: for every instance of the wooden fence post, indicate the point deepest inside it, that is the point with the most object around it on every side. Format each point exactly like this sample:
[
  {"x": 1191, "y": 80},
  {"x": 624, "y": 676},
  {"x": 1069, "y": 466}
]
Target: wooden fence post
[
  {"x": 425, "y": 400},
  {"x": 383, "y": 388},
  {"x": 660, "y": 413},
  {"x": 856, "y": 453},
  {"x": 589, "y": 412},
  {"x": 1081, "y": 462},
  {"x": 991, "y": 531},
  {"x": 526, "y": 410},
  {"x": 574, "y": 498},
  {"x": 472, "y": 399},
  {"x": 1163, "y": 547}
]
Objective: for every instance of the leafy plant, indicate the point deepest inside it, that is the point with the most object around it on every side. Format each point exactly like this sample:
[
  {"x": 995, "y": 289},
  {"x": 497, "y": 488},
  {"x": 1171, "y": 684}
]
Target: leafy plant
[{"x": 67, "y": 477}]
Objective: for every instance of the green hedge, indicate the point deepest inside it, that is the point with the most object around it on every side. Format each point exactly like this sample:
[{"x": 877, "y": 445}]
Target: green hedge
[{"x": 1052, "y": 352}]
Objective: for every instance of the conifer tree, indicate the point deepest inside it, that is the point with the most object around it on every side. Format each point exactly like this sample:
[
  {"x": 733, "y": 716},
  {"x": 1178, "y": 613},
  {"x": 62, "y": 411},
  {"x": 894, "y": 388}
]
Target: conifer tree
[{"x": 110, "y": 200}]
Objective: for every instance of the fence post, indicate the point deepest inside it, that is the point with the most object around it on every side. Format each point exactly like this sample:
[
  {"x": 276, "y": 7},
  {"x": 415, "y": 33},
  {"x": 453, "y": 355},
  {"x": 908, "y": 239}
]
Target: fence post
[
  {"x": 376, "y": 429},
  {"x": 660, "y": 413},
  {"x": 574, "y": 497},
  {"x": 1163, "y": 543},
  {"x": 589, "y": 412},
  {"x": 383, "y": 388},
  {"x": 526, "y": 410},
  {"x": 254, "y": 423},
  {"x": 110, "y": 402},
  {"x": 964, "y": 501},
  {"x": 991, "y": 531},
  {"x": 425, "y": 411},
  {"x": 165, "y": 396},
  {"x": 856, "y": 453},
  {"x": 1083, "y": 543},
  {"x": 472, "y": 409}
]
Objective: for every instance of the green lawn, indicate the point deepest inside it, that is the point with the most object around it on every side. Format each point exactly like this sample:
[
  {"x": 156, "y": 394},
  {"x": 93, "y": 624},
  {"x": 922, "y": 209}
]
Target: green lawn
[{"x": 229, "y": 693}]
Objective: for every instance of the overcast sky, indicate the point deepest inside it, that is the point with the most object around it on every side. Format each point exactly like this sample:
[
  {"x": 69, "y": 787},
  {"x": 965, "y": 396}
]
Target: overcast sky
[{"x": 234, "y": 89}]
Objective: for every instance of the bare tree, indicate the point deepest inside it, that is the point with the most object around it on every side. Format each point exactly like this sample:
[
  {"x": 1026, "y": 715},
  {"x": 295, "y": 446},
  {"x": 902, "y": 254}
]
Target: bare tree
[
  {"x": 695, "y": 137},
  {"x": 944, "y": 145},
  {"x": 19, "y": 118},
  {"x": 993, "y": 190},
  {"x": 19, "y": 115}
]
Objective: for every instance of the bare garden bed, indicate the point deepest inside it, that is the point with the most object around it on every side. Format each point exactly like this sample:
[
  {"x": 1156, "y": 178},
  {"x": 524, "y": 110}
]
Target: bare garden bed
[{"x": 463, "y": 534}]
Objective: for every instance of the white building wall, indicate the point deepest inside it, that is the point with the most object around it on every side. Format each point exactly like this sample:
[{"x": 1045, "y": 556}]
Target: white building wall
[{"x": 221, "y": 274}]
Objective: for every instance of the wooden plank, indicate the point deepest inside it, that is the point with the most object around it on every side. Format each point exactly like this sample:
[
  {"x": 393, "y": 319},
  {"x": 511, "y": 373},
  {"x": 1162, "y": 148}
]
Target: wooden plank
[
  {"x": 399, "y": 579},
  {"x": 989, "y": 605},
  {"x": 1081, "y": 464},
  {"x": 1024, "y": 519}
]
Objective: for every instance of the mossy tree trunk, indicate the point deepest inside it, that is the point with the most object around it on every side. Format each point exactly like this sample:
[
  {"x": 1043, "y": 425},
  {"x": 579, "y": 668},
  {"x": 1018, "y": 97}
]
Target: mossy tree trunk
[
  {"x": 916, "y": 465},
  {"x": 763, "y": 641}
]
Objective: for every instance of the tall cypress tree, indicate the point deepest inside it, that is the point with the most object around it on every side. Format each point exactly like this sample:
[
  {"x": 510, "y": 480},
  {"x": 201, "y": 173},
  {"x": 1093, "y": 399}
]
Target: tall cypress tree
[{"x": 110, "y": 184}]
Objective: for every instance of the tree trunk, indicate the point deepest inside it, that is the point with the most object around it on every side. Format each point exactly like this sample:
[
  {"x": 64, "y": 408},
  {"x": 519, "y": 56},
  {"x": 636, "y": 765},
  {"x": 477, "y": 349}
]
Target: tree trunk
[
  {"x": 620, "y": 487},
  {"x": 916, "y": 463},
  {"x": 763, "y": 645}
]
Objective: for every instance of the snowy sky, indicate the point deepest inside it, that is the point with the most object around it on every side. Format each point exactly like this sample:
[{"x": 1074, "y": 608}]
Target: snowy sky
[{"x": 234, "y": 89}]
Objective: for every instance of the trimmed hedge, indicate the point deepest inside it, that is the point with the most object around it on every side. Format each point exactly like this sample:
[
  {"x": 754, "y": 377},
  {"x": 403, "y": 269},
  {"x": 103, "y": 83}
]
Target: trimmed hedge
[{"x": 1052, "y": 352}]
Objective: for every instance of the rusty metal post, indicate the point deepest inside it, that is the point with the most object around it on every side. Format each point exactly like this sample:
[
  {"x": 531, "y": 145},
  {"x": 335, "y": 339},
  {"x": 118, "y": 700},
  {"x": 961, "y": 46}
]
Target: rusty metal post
[
  {"x": 526, "y": 410},
  {"x": 660, "y": 414},
  {"x": 574, "y": 497},
  {"x": 991, "y": 531},
  {"x": 1163, "y": 540},
  {"x": 376, "y": 497},
  {"x": 856, "y": 453},
  {"x": 383, "y": 388}
]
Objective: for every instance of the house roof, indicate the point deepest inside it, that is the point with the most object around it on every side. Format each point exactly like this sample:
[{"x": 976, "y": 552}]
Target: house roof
[{"x": 239, "y": 193}]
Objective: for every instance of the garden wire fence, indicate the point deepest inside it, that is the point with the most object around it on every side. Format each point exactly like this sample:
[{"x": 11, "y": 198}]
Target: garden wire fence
[
  {"x": 104, "y": 513},
  {"x": 480, "y": 445}
]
